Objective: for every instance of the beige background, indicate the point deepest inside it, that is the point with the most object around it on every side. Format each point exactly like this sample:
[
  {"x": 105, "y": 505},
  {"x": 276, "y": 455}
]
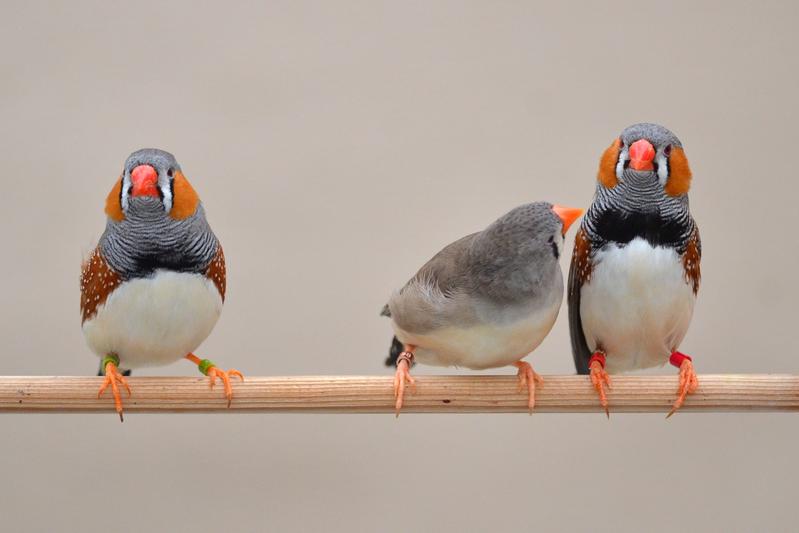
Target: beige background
[{"x": 336, "y": 147}]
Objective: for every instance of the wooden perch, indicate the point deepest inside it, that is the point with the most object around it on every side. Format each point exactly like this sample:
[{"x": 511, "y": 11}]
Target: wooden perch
[{"x": 372, "y": 394}]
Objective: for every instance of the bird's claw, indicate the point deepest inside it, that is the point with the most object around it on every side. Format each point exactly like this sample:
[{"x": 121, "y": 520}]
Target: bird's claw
[
  {"x": 599, "y": 379},
  {"x": 114, "y": 378},
  {"x": 215, "y": 373},
  {"x": 688, "y": 385},
  {"x": 528, "y": 379},
  {"x": 401, "y": 377}
]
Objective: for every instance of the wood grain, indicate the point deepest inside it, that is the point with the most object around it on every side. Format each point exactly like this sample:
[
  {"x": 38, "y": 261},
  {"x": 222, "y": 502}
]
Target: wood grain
[{"x": 373, "y": 394}]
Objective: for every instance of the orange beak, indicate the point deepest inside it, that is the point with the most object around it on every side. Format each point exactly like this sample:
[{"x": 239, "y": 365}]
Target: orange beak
[
  {"x": 144, "y": 179},
  {"x": 568, "y": 215},
  {"x": 641, "y": 155}
]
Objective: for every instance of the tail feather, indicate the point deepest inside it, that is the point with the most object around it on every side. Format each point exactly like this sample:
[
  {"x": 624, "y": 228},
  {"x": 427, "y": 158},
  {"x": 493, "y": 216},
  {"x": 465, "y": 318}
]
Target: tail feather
[
  {"x": 394, "y": 352},
  {"x": 396, "y": 346},
  {"x": 580, "y": 350}
]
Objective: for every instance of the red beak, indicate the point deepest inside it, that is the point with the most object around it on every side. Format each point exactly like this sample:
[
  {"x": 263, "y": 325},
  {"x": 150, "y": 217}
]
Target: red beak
[
  {"x": 145, "y": 180},
  {"x": 567, "y": 214},
  {"x": 641, "y": 155}
]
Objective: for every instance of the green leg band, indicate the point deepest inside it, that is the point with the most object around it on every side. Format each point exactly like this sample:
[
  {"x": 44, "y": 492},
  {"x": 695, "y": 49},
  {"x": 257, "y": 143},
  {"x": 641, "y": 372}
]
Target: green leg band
[
  {"x": 110, "y": 358},
  {"x": 205, "y": 365}
]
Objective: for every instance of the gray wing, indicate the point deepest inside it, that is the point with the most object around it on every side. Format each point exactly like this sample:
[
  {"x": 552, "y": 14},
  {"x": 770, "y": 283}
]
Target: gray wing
[
  {"x": 432, "y": 298},
  {"x": 447, "y": 270}
]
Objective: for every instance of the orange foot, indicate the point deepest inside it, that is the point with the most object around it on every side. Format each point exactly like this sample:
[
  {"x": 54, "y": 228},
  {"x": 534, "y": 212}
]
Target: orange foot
[
  {"x": 600, "y": 378},
  {"x": 403, "y": 376},
  {"x": 528, "y": 378},
  {"x": 213, "y": 372},
  {"x": 113, "y": 377},
  {"x": 688, "y": 380}
]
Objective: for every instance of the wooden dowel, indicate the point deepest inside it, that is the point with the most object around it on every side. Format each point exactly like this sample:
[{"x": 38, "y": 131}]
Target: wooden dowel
[{"x": 373, "y": 394}]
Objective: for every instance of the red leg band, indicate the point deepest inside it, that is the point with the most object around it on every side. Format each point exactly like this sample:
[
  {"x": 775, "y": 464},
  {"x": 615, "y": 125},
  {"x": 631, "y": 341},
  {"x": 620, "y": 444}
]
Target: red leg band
[
  {"x": 598, "y": 357},
  {"x": 677, "y": 358}
]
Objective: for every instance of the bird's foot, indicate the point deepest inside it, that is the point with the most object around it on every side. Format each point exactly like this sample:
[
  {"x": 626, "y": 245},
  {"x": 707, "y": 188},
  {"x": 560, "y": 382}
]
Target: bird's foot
[
  {"x": 403, "y": 376},
  {"x": 114, "y": 378},
  {"x": 688, "y": 380},
  {"x": 527, "y": 379},
  {"x": 213, "y": 372},
  {"x": 600, "y": 378}
]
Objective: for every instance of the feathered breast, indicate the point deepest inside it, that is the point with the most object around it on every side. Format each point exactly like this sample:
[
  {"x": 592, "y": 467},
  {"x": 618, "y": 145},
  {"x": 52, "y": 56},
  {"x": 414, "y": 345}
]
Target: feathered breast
[{"x": 98, "y": 280}]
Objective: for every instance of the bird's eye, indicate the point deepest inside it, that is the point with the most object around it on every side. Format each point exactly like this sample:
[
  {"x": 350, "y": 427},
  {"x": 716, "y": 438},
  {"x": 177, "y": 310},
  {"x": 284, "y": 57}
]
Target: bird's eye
[
  {"x": 667, "y": 150},
  {"x": 169, "y": 172}
]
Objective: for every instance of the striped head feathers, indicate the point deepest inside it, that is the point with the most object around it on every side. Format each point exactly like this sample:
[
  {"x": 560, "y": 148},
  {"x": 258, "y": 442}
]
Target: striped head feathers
[
  {"x": 151, "y": 177},
  {"x": 646, "y": 153}
]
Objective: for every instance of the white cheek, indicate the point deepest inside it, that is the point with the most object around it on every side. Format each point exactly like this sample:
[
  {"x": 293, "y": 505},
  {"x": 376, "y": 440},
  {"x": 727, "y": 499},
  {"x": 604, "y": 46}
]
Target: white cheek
[
  {"x": 623, "y": 156},
  {"x": 166, "y": 190},
  {"x": 125, "y": 192},
  {"x": 663, "y": 169}
]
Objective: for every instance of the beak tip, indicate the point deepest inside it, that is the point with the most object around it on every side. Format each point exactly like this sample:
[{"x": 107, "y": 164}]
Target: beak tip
[
  {"x": 567, "y": 215},
  {"x": 144, "y": 179},
  {"x": 642, "y": 153}
]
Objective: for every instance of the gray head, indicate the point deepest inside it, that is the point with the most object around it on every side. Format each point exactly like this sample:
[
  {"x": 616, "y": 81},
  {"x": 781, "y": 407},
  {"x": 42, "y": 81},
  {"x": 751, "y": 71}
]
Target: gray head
[
  {"x": 153, "y": 181},
  {"x": 155, "y": 219},
  {"x": 646, "y": 154},
  {"x": 517, "y": 255},
  {"x": 149, "y": 172},
  {"x": 534, "y": 226}
]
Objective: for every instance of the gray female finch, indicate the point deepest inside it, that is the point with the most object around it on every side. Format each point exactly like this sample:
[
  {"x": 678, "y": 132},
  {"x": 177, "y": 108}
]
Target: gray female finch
[
  {"x": 152, "y": 290},
  {"x": 486, "y": 300},
  {"x": 635, "y": 270}
]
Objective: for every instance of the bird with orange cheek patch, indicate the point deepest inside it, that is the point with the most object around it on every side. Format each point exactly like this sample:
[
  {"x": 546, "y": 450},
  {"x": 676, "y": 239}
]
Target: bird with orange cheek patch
[
  {"x": 152, "y": 290},
  {"x": 635, "y": 273}
]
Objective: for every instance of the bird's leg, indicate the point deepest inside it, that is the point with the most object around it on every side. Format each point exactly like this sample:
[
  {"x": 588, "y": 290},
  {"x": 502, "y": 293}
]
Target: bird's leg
[
  {"x": 114, "y": 378},
  {"x": 208, "y": 368},
  {"x": 403, "y": 375},
  {"x": 600, "y": 378},
  {"x": 688, "y": 380},
  {"x": 527, "y": 379}
]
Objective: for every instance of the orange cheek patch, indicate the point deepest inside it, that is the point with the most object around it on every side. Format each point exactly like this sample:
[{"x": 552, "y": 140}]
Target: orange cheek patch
[
  {"x": 113, "y": 207},
  {"x": 679, "y": 173},
  {"x": 607, "y": 166},
  {"x": 185, "y": 199}
]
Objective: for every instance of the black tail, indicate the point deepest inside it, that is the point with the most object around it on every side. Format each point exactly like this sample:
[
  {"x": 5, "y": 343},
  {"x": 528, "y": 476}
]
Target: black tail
[
  {"x": 101, "y": 372},
  {"x": 580, "y": 350},
  {"x": 396, "y": 346},
  {"x": 394, "y": 352}
]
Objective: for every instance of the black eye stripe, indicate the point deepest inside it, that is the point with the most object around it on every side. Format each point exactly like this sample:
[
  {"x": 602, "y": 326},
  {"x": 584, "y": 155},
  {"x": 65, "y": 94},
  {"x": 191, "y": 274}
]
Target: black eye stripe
[{"x": 555, "y": 250}]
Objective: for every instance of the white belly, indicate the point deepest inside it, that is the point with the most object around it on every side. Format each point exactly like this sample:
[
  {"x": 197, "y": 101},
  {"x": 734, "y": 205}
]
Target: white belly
[
  {"x": 486, "y": 345},
  {"x": 637, "y": 305},
  {"x": 155, "y": 321}
]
